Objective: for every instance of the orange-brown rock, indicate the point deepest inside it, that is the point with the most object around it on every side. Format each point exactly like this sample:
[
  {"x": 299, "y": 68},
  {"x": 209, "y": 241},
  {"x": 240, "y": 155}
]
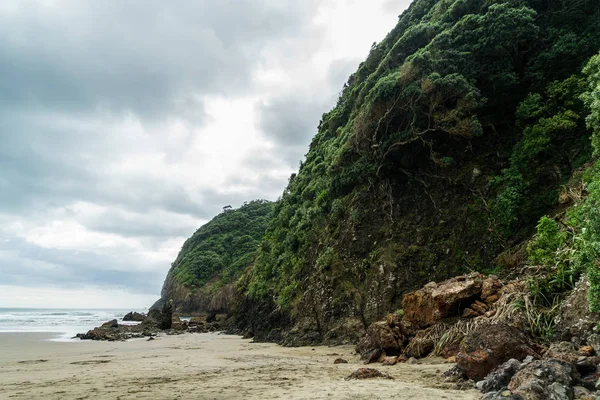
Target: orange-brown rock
[
  {"x": 469, "y": 313},
  {"x": 448, "y": 296},
  {"x": 586, "y": 351},
  {"x": 390, "y": 361},
  {"x": 434, "y": 302},
  {"x": 490, "y": 345},
  {"x": 490, "y": 287}
]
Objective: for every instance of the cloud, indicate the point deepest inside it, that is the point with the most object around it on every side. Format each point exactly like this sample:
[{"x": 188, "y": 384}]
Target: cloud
[{"x": 125, "y": 125}]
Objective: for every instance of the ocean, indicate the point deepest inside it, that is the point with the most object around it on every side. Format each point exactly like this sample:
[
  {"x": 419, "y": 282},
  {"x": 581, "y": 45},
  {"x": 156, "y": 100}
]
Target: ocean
[{"x": 63, "y": 323}]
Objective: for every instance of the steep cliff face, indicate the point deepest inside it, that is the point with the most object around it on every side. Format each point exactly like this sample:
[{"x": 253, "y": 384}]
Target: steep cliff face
[
  {"x": 445, "y": 148},
  {"x": 202, "y": 278}
]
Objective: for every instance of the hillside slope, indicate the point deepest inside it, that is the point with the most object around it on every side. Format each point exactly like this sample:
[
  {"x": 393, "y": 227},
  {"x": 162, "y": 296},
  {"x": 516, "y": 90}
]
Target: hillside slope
[
  {"x": 447, "y": 145},
  {"x": 201, "y": 278}
]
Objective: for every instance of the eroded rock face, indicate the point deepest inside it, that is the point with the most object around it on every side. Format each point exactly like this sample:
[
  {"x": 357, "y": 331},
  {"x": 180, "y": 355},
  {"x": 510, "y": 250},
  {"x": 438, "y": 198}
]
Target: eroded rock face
[
  {"x": 381, "y": 339},
  {"x": 574, "y": 318},
  {"x": 542, "y": 380},
  {"x": 489, "y": 346},
  {"x": 469, "y": 296},
  {"x": 499, "y": 379}
]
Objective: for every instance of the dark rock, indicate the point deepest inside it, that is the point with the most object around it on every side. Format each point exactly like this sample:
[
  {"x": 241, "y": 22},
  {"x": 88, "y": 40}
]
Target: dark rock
[
  {"x": 490, "y": 345},
  {"x": 545, "y": 379},
  {"x": 150, "y": 338},
  {"x": 212, "y": 317},
  {"x": 589, "y": 381},
  {"x": 455, "y": 374},
  {"x": 587, "y": 365},
  {"x": 134, "y": 316},
  {"x": 500, "y": 377},
  {"x": 110, "y": 324},
  {"x": 574, "y": 318},
  {"x": 367, "y": 373},
  {"x": 162, "y": 319},
  {"x": 381, "y": 339},
  {"x": 449, "y": 296},
  {"x": 420, "y": 345},
  {"x": 340, "y": 361}
]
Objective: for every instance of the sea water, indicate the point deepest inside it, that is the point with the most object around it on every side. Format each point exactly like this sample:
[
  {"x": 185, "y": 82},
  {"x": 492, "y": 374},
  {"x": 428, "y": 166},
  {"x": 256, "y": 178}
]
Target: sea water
[{"x": 63, "y": 323}]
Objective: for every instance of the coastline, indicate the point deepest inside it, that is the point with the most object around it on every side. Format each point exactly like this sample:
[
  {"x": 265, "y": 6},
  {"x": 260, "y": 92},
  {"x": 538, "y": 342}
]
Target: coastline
[{"x": 201, "y": 366}]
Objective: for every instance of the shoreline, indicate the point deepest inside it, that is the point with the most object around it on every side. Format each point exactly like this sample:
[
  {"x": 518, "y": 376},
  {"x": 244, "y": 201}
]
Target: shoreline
[{"x": 202, "y": 366}]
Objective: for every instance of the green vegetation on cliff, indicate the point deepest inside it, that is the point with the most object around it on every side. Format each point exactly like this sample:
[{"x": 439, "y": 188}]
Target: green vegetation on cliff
[
  {"x": 445, "y": 148},
  {"x": 214, "y": 258},
  {"x": 223, "y": 247}
]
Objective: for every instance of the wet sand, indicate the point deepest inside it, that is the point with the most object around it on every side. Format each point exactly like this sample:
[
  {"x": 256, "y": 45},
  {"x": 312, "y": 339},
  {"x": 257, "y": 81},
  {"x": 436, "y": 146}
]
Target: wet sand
[{"x": 201, "y": 366}]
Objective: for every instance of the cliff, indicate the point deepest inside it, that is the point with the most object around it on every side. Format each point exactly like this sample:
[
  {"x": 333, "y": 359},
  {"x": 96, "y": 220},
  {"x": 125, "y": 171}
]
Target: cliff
[
  {"x": 202, "y": 277},
  {"x": 469, "y": 122}
]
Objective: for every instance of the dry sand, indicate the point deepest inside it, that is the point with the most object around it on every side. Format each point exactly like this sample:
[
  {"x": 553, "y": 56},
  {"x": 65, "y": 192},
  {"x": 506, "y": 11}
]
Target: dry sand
[{"x": 201, "y": 366}]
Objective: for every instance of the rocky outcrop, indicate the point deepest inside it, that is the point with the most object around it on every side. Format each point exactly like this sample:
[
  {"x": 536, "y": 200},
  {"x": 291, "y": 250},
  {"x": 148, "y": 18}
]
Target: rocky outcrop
[
  {"x": 468, "y": 296},
  {"x": 542, "y": 380},
  {"x": 489, "y": 346},
  {"x": 574, "y": 319},
  {"x": 134, "y": 317},
  {"x": 386, "y": 338}
]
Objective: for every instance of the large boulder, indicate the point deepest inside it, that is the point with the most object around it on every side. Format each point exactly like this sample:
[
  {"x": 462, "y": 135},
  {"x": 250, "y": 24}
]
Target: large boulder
[
  {"x": 161, "y": 319},
  {"x": 490, "y": 345},
  {"x": 382, "y": 338},
  {"x": 542, "y": 380},
  {"x": 453, "y": 297},
  {"x": 574, "y": 318},
  {"x": 450, "y": 296},
  {"x": 134, "y": 317}
]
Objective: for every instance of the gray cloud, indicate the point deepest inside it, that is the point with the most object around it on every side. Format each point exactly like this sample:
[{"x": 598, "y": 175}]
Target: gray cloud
[
  {"x": 88, "y": 95},
  {"x": 151, "y": 58},
  {"x": 26, "y": 264}
]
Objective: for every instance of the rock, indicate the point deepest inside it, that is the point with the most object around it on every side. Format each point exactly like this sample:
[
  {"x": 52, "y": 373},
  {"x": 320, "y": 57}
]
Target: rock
[
  {"x": 419, "y": 308},
  {"x": 490, "y": 286},
  {"x": 594, "y": 341},
  {"x": 110, "y": 324},
  {"x": 412, "y": 360},
  {"x": 492, "y": 299},
  {"x": 589, "y": 381},
  {"x": 544, "y": 379},
  {"x": 389, "y": 361},
  {"x": 500, "y": 377},
  {"x": 340, "y": 361},
  {"x": 574, "y": 317},
  {"x": 470, "y": 313},
  {"x": 420, "y": 345},
  {"x": 134, "y": 316},
  {"x": 434, "y": 302},
  {"x": 212, "y": 317},
  {"x": 587, "y": 365},
  {"x": 563, "y": 351},
  {"x": 586, "y": 351},
  {"x": 150, "y": 339},
  {"x": 449, "y": 296},
  {"x": 580, "y": 391},
  {"x": 381, "y": 339},
  {"x": 367, "y": 373},
  {"x": 490, "y": 345},
  {"x": 162, "y": 319},
  {"x": 455, "y": 374}
]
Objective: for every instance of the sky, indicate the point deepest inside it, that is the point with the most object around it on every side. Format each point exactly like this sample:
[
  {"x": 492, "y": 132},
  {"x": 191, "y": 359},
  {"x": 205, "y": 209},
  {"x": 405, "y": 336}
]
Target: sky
[{"x": 125, "y": 125}]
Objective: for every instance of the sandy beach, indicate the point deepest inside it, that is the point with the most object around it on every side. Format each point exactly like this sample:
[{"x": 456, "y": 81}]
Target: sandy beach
[{"x": 201, "y": 366}]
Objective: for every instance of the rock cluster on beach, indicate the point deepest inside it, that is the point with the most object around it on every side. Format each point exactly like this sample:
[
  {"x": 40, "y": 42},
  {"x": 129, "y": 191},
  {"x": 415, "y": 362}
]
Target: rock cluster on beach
[
  {"x": 157, "y": 321},
  {"x": 473, "y": 322}
]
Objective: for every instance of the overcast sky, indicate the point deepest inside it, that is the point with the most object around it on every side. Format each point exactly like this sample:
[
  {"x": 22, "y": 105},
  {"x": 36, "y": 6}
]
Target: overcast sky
[{"x": 127, "y": 124}]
